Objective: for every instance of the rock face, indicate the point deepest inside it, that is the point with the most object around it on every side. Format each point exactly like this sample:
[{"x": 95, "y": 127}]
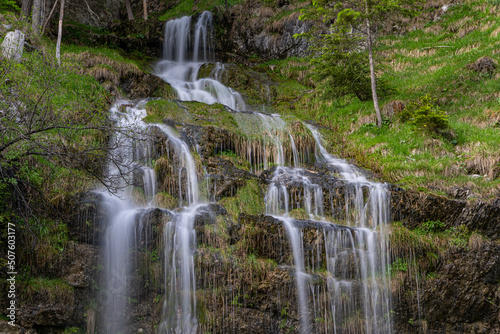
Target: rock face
[
  {"x": 414, "y": 208},
  {"x": 462, "y": 296},
  {"x": 252, "y": 29},
  {"x": 13, "y": 45}
]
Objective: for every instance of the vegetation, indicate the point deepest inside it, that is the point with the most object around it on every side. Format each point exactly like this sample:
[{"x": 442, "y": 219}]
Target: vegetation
[
  {"x": 418, "y": 66},
  {"x": 350, "y": 26}
]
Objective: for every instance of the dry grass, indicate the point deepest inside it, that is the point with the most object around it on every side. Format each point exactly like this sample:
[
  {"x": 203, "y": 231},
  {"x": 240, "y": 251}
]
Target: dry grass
[
  {"x": 477, "y": 241},
  {"x": 278, "y": 26},
  {"x": 89, "y": 60},
  {"x": 457, "y": 25},
  {"x": 467, "y": 30},
  {"x": 489, "y": 119},
  {"x": 399, "y": 66},
  {"x": 495, "y": 33},
  {"x": 435, "y": 29},
  {"x": 487, "y": 25},
  {"x": 265, "y": 12},
  {"x": 467, "y": 48},
  {"x": 104, "y": 73},
  {"x": 417, "y": 53},
  {"x": 434, "y": 68}
]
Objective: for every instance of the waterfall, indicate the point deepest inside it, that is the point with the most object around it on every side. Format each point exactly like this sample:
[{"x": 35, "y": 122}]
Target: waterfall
[
  {"x": 123, "y": 234},
  {"x": 185, "y": 50},
  {"x": 179, "y": 307},
  {"x": 132, "y": 152},
  {"x": 353, "y": 251}
]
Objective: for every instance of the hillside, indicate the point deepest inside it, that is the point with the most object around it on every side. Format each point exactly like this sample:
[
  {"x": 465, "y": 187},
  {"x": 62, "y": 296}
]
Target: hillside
[{"x": 187, "y": 175}]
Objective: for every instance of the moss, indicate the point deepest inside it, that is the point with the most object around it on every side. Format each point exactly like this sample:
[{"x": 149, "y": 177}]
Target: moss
[
  {"x": 299, "y": 213},
  {"x": 51, "y": 290},
  {"x": 166, "y": 201},
  {"x": 249, "y": 200},
  {"x": 138, "y": 196}
]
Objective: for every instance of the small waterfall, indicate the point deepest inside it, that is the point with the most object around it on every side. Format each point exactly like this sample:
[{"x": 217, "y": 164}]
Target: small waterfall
[
  {"x": 124, "y": 233},
  {"x": 123, "y": 213},
  {"x": 302, "y": 278},
  {"x": 367, "y": 209},
  {"x": 309, "y": 198},
  {"x": 184, "y": 51},
  {"x": 179, "y": 307}
]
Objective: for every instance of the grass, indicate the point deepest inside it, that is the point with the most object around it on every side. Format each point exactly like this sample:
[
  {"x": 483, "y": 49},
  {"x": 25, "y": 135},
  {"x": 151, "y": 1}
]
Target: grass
[
  {"x": 432, "y": 61},
  {"x": 51, "y": 290},
  {"x": 248, "y": 199}
]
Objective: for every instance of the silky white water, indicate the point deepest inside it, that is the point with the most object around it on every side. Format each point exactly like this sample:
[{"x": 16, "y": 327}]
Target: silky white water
[
  {"x": 184, "y": 52},
  {"x": 130, "y": 151}
]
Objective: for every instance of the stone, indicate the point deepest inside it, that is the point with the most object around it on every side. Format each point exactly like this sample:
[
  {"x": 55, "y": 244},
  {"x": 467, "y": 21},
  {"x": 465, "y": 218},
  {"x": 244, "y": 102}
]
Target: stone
[{"x": 13, "y": 45}]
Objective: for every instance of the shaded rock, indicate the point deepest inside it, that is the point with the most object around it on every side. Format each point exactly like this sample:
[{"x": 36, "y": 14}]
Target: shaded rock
[
  {"x": 463, "y": 296},
  {"x": 13, "y": 45}
]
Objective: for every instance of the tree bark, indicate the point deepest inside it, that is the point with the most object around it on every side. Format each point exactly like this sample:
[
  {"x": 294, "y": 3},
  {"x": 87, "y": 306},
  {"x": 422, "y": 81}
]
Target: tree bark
[
  {"x": 36, "y": 18},
  {"x": 145, "y": 5},
  {"x": 26, "y": 8},
  {"x": 50, "y": 16},
  {"x": 373, "y": 79},
  {"x": 59, "y": 34},
  {"x": 130, "y": 14}
]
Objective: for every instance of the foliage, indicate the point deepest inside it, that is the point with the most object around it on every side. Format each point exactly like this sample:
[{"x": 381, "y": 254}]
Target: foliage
[
  {"x": 8, "y": 6},
  {"x": 425, "y": 114},
  {"x": 342, "y": 65},
  {"x": 432, "y": 227}
]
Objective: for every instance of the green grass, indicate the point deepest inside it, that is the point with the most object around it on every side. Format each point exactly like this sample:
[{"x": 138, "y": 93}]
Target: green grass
[
  {"x": 431, "y": 61},
  {"x": 248, "y": 199}
]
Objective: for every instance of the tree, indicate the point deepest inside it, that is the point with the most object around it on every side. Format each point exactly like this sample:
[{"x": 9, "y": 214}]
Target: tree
[
  {"x": 130, "y": 14},
  {"x": 145, "y": 6},
  {"x": 26, "y": 8},
  {"x": 37, "y": 16},
  {"x": 54, "y": 136},
  {"x": 351, "y": 28},
  {"x": 59, "y": 34}
]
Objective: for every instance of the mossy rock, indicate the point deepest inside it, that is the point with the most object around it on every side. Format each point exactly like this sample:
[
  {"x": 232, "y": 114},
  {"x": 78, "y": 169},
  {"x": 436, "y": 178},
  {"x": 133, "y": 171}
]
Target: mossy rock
[{"x": 165, "y": 201}]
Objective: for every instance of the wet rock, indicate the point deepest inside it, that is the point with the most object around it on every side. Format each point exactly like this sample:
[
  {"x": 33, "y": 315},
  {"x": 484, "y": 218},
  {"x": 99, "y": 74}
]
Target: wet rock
[
  {"x": 266, "y": 38},
  {"x": 463, "y": 296},
  {"x": 415, "y": 208}
]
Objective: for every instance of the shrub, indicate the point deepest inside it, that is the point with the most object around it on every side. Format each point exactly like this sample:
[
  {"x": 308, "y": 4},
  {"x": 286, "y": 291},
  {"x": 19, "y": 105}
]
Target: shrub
[
  {"x": 425, "y": 115},
  {"x": 8, "y": 6}
]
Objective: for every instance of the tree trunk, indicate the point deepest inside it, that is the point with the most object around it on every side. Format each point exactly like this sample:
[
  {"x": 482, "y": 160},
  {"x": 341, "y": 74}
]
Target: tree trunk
[
  {"x": 26, "y": 8},
  {"x": 145, "y": 5},
  {"x": 373, "y": 79},
  {"x": 50, "y": 16},
  {"x": 59, "y": 34},
  {"x": 130, "y": 14},
  {"x": 36, "y": 18}
]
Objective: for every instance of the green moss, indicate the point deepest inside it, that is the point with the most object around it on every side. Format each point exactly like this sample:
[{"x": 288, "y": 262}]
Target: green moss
[
  {"x": 299, "y": 213},
  {"x": 166, "y": 201},
  {"x": 52, "y": 290},
  {"x": 248, "y": 200}
]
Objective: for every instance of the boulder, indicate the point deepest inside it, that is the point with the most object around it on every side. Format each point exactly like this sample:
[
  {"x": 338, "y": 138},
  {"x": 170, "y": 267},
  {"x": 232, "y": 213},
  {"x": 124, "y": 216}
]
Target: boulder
[{"x": 13, "y": 45}]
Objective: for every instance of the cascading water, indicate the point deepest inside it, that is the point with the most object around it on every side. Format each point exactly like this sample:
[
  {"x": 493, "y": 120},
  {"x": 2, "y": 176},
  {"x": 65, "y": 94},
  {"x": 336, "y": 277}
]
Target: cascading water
[
  {"x": 363, "y": 246},
  {"x": 357, "y": 286},
  {"x": 179, "y": 308},
  {"x": 132, "y": 149},
  {"x": 184, "y": 52}
]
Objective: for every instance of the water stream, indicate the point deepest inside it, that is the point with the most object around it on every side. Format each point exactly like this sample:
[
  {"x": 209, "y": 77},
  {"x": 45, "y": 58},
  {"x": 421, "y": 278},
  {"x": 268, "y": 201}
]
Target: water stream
[{"x": 355, "y": 250}]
